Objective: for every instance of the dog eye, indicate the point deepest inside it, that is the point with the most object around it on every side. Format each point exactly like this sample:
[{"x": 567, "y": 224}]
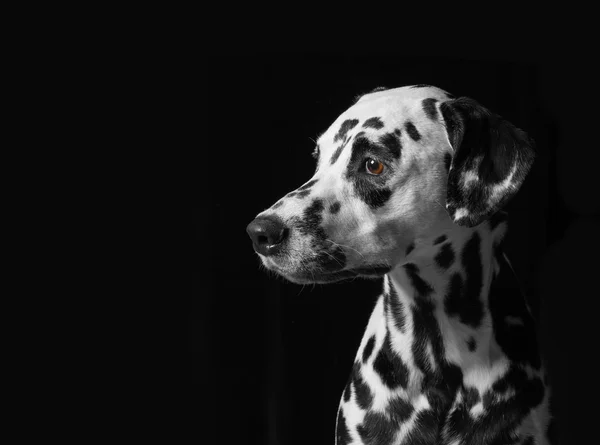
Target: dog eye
[{"x": 374, "y": 167}]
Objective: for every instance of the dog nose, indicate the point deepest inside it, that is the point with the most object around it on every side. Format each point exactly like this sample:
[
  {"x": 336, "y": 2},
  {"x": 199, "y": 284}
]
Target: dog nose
[{"x": 267, "y": 234}]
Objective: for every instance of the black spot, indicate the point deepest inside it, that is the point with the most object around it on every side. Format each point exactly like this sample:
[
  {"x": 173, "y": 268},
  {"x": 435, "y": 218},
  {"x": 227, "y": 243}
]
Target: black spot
[
  {"x": 452, "y": 300},
  {"x": 376, "y": 429},
  {"x": 420, "y": 85},
  {"x": 303, "y": 194},
  {"x": 335, "y": 207},
  {"x": 336, "y": 154},
  {"x": 347, "y": 390},
  {"x": 389, "y": 366},
  {"x": 397, "y": 132},
  {"x": 368, "y": 349},
  {"x": 373, "y": 122},
  {"x": 471, "y": 311},
  {"x": 400, "y": 410},
  {"x": 421, "y": 286},
  {"x": 393, "y": 304},
  {"x": 392, "y": 143},
  {"x": 426, "y": 429},
  {"x": 447, "y": 160},
  {"x": 346, "y": 126},
  {"x": 338, "y": 151},
  {"x": 277, "y": 204},
  {"x": 439, "y": 239},
  {"x": 308, "y": 185},
  {"x": 445, "y": 257},
  {"x": 364, "y": 397},
  {"x": 410, "y": 248},
  {"x": 471, "y": 344},
  {"x": 412, "y": 131},
  {"x": 471, "y": 397},
  {"x": 312, "y": 217},
  {"x": 342, "y": 433},
  {"x": 430, "y": 109}
]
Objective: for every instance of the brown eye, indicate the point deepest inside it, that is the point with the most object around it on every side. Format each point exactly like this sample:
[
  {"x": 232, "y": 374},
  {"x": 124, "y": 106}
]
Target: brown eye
[{"x": 374, "y": 167}]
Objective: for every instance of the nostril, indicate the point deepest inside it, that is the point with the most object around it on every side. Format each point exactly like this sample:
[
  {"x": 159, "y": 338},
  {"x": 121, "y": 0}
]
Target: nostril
[{"x": 267, "y": 233}]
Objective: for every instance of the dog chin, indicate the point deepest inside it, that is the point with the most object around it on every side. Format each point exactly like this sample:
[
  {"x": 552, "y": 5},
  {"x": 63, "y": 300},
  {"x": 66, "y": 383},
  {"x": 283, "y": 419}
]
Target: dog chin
[{"x": 370, "y": 272}]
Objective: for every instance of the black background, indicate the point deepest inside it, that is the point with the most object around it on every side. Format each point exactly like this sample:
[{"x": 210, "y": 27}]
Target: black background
[{"x": 270, "y": 358}]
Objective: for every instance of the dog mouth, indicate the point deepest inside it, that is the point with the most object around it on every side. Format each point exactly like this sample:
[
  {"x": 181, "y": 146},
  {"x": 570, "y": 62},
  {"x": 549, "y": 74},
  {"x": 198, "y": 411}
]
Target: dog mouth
[
  {"x": 301, "y": 251},
  {"x": 324, "y": 264}
]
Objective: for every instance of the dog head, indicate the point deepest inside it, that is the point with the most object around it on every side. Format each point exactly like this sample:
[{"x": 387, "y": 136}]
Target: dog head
[{"x": 390, "y": 170}]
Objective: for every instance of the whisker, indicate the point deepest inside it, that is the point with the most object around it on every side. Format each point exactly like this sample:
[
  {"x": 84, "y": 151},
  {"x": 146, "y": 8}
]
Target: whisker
[
  {"x": 438, "y": 203},
  {"x": 342, "y": 245},
  {"x": 301, "y": 289},
  {"x": 331, "y": 256}
]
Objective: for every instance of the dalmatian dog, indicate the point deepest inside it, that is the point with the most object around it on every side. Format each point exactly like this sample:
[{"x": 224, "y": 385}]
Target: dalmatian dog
[{"x": 409, "y": 186}]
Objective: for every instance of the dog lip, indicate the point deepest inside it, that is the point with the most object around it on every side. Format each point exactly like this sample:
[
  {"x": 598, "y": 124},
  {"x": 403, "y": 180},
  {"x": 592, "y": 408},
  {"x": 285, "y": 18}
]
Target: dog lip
[
  {"x": 375, "y": 271},
  {"x": 273, "y": 250}
]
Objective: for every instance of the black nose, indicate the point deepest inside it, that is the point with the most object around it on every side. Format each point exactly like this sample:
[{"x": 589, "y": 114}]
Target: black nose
[{"x": 267, "y": 234}]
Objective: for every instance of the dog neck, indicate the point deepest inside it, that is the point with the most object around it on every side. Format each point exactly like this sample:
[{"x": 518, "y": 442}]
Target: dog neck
[
  {"x": 436, "y": 307},
  {"x": 449, "y": 343}
]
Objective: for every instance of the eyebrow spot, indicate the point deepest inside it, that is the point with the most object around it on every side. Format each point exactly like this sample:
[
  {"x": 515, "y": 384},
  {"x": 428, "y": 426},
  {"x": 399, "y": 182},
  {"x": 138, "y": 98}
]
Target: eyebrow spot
[
  {"x": 338, "y": 152},
  {"x": 346, "y": 126},
  {"x": 412, "y": 131},
  {"x": 373, "y": 122}
]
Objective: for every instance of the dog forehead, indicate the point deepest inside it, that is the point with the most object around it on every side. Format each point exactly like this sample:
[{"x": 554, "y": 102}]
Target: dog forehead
[{"x": 387, "y": 109}]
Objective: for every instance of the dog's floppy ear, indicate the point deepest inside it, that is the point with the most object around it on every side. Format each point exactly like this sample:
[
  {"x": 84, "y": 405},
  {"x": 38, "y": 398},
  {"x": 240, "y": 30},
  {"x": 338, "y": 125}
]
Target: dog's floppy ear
[{"x": 491, "y": 158}]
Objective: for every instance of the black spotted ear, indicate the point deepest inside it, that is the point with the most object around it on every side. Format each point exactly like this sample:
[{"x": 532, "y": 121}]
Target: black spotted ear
[{"x": 490, "y": 161}]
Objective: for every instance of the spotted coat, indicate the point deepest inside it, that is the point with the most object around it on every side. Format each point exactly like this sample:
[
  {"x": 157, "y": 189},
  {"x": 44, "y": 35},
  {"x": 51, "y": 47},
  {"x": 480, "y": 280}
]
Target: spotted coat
[{"x": 409, "y": 186}]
